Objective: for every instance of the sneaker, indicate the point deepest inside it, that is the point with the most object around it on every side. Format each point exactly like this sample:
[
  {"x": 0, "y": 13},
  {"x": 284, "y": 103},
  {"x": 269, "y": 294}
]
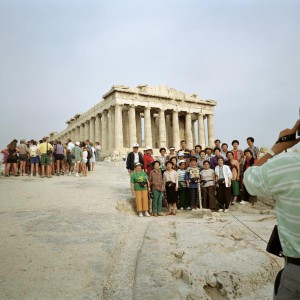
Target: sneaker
[
  {"x": 31, "y": 175},
  {"x": 226, "y": 210},
  {"x": 146, "y": 214},
  {"x": 221, "y": 209},
  {"x": 77, "y": 175},
  {"x": 140, "y": 214},
  {"x": 181, "y": 208},
  {"x": 69, "y": 173},
  {"x": 188, "y": 208},
  {"x": 243, "y": 202}
]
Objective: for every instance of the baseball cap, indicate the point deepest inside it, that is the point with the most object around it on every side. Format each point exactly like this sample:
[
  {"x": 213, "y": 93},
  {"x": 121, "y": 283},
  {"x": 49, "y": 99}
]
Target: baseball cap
[
  {"x": 136, "y": 145},
  {"x": 77, "y": 143},
  {"x": 148, "y": 148}
]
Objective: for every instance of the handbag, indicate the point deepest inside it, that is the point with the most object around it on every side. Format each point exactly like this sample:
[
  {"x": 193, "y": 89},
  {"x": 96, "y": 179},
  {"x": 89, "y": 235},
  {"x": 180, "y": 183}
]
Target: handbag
[
  {"x": 48, "y": 152},
  {"x": 274, "y": 245}
]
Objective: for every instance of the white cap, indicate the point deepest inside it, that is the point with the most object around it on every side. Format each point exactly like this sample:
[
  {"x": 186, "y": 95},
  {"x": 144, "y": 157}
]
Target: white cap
[
  {"x": 181, "y": 161},
  {"x": 77, "y": 143},
  {"x": 137, "y": 164},
  {"x": 148, "y": 148},
  {"x": 180, "y": 153},
  {"x": 172, "y": 148},
  {"x": 136, "y": 145}
]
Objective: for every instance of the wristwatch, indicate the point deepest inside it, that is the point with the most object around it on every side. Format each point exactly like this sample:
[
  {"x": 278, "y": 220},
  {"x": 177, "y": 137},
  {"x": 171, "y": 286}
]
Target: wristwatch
[{"x": 271, "y": 152}]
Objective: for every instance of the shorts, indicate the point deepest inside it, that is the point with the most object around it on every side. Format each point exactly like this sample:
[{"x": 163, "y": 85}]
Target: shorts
[
  {"x": 59, "y": 157},
  {"x": 23, "y": 157},
  {"x": 46, "y": 160},
  {"x": 34, "y": 160},
  {"x": 11, "y": 160},
  {"x": 84, "y": 161}
]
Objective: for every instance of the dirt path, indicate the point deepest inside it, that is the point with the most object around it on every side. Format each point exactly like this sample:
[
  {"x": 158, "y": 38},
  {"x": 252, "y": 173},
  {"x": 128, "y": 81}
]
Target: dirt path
[{"x": 78, "y": 238}]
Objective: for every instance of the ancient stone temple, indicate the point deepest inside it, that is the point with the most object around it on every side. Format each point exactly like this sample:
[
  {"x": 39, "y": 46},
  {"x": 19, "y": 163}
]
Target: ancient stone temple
[{"x": 151, "y": 116}]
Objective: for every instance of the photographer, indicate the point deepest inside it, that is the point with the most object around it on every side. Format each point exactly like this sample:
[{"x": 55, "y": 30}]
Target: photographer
[{"x": 279, "y": 176}]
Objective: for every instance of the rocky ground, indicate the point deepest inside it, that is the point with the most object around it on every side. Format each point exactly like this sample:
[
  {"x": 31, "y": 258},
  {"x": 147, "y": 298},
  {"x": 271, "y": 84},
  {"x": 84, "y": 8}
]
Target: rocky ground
[{"x": 79, "y": 238}]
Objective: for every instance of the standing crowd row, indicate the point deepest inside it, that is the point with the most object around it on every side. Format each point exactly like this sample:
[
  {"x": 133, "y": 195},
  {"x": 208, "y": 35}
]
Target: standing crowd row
[
  {"x": 210, "y": 178},
  {"x": 47, "y": 158}
]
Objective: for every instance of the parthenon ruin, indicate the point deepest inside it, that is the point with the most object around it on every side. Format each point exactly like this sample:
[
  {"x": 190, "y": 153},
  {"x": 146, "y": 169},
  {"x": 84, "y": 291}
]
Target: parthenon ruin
[{"x": 151, "y": 116}]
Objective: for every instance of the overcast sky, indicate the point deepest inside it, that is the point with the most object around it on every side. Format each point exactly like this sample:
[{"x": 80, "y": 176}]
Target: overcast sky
[{"x": 58, "y": 58}]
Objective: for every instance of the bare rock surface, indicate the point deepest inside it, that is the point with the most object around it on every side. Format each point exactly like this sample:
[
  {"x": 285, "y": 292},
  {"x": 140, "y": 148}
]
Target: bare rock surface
[{"x": 79, "y": 238}]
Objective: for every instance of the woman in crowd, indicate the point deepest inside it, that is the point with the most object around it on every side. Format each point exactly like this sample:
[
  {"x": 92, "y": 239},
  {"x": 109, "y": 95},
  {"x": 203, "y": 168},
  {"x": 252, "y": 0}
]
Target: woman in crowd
[
  {"x": 238, "y": 154},
  {"x": 162, "y": 159},
  {"x": 201, "y": 160},
  {"x": 184, "y": 202},
  {"x": 34, "y": 159},
  {"x": 192, "y": 178},
  {"x": 157, "y": 188},
  {"x": 235, "y": 170},
  {"x": 148, "y": 160},
  {"x": 170, "y": 179},
  {"x": 198, "y": 149},
  {"x": 249, "y": 161},
  {"x": 59, "y": 158},
  {"x": 223, "y": 178},
  {"x": 84, "y": 160},
  {"x": 98, "y": 149},
  {"x": 140, "y": 187},
  {"x": 174, "y": 161},
  {"x": 23, "y": 156},
  {"x": 214, "y": 159},
  {"x": 208, "y": 187},
  {"x": 192, "y": 154},
  {"x": 77, "y": 152},
  {"x": 92, "y": 159},
  {"x": 12, "y": 158}
]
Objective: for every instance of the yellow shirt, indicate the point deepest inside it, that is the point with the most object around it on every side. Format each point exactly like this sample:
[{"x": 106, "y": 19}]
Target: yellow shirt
[{"x": 43, "y": 147}]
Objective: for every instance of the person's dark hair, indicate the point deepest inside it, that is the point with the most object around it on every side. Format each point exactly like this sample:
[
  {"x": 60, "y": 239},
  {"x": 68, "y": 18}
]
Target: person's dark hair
[
  {"x": 229, "y": 152},
  {"x": 169, "y": 162},
  {"x": 33, "y": 142},
  {"x": 183, "y": 141},
  {"x": 220, "y": 157},
  {"x": 58, "y": 142},
  {"x": 82, "y": 144},
  {"x": 193, "y": 159},
  {"x": 155, "y": 162},
  {"x": 202, "y": 151},
  {"x": 249, "y": 151},
  {"x": 40, "y": 141},
  {"x": 161, "y": 149},
  {"x": 12, "y": 146},
  {"x": 198, "y": 146},
  {"x": 207, "y": 148},
  {"x": 69, "y": 140},
  {"x": 224, "y": 145},
  {"x": 217, "y": 140},
  {"x": 235, "y": 141},
  {"x": 251, "y": 139},
  {"x": 217, "y": 148},
  {"x": 15, "y": 141},
  {"x": 206, "y": 162},
  {"x": 192, "y": 150},
  {"x": 45, "y": 138},
  {"x": 174, "y": 157}
]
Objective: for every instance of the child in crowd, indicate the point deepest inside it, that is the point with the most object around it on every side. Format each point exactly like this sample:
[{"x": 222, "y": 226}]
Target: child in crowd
[
  {"x": 140, "y": 187},
  {"x": 157, "y": 187},
  {"x": 84, "y": 160},
  {"x": 192, "y": 178},
  {"x": 171, "y": 185},
  {"x": 182, "y": 188}
]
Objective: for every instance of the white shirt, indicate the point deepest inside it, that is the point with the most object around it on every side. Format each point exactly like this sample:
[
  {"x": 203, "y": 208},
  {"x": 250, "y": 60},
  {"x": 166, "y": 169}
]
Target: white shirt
[
  {"x": 70, "y": 146},
  {"x": 226, "y": 172},
  {"x": 136, "y": 157}
]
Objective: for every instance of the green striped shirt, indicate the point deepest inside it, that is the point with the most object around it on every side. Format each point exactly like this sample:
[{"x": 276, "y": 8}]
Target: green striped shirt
[{"x": 280, "y": 177}]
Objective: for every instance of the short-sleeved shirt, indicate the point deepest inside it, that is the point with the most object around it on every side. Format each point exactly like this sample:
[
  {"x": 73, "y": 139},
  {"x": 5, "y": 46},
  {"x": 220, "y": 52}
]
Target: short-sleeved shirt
[
  {"x": 33, "y": 151},
  {"x": 77, "y": 151},
  {"x": 208, "y": 175},
  {"x": 137, "y": 177},
  {"x": 181, "y": 178},
  {"x": 43, "y": 147},
  {"x": 23, "y": 149},
  {"x": 280, "y": 177}
]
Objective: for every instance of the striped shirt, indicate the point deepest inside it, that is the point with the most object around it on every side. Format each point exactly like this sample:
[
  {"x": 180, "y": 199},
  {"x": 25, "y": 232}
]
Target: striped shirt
[
  {"x": 181, "y": 175},
  {"x": 280, "y": 177}
]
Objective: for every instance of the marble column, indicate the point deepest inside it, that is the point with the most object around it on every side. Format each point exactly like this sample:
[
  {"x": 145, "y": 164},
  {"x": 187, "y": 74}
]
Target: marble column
[
  {"x": 188, "y": 130},
  {"x": 97, "y": 128},
  {"x": 162, "y": 128},
  {"x": 193, "y": 133},
  {"x": 210, "y": 130},
  {"x": 77, "y": 136},
  {"x": 132, "y": 126},
  {"x": 118, "y": 128},
  {"x": 104, "y": 130},
  {"x": 82, "y": 132},
  {"x": 92, "y": 130},
  {"x": 201, "y": 137},
  {"x": 176, "y": 137},
  {"x": 147, "y": 126},
  {"x": 87, "y": 130},
  {"x": 111, "y": 129},
  {"x": 138, "y": 121},
  {"x": 153, "y": 130},
  {"x": 126, "y": 129}
]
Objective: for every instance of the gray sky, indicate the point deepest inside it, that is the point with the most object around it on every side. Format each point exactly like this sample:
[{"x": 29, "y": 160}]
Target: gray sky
[{"x": 58, "y": 58}]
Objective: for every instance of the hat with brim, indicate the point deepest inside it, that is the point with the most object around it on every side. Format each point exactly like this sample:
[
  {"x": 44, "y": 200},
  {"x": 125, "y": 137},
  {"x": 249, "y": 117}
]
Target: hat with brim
[
  {"x": 182, "y": 162},
  {"x": 148, "y": 148},
  {"x": 137, "y": 164}
]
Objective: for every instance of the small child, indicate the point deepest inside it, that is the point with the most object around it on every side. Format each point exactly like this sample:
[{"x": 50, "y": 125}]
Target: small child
[
  {"x": 84, "y": 160},
  {"x": 192, "y": 178}
]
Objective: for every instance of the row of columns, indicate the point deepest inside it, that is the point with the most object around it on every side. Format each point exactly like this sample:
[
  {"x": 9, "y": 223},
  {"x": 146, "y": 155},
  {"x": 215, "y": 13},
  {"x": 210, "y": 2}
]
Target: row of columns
[{"x": 117, "y": 128}]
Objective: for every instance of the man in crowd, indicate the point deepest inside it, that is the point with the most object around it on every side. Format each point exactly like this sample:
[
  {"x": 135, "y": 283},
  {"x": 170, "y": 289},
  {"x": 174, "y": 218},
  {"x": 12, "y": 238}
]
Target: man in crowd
[
  {"x": 252, "y": 148},
  {"x": 134, "y": 157},
  {"x": 46, "y": 150},
  {"x": 184, "y": 149},
  {"x": 279, "y": 176}
]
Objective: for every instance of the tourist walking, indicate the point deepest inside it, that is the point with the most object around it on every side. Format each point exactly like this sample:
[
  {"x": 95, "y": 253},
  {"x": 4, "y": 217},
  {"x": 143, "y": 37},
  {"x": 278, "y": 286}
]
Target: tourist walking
[
  {"x": 170, "y": 179},
  {"x": 157, "y": 188},
  {"x": 223, "y": 178},
  {"x": 140, "y": 187}
]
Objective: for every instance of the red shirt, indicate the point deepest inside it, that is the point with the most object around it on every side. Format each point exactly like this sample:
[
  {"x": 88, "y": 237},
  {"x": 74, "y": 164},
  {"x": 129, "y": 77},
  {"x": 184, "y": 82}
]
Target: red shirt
[{"x": 148, "y": 160}]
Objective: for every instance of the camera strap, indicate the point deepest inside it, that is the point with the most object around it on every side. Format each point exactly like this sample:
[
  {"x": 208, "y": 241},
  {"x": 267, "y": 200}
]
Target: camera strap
[{"x": 286, "y": 138}]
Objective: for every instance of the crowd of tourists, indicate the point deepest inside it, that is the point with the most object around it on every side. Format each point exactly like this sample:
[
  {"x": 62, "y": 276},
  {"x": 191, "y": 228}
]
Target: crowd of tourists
[
  {"x": 47, "y": 158},
  {"x": 190, "y": 179}
]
